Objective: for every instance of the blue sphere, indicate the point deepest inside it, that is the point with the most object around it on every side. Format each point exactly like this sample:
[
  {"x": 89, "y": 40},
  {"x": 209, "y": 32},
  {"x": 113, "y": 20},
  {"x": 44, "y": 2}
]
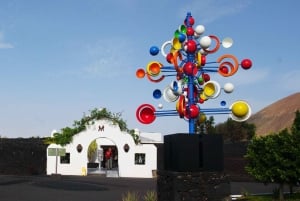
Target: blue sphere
[
  {"x": 181, "y": 37},
  {"x": 157, "y": 94},
  {"x": 223, "y": 103},
  {"x": 154, "y": 50}
]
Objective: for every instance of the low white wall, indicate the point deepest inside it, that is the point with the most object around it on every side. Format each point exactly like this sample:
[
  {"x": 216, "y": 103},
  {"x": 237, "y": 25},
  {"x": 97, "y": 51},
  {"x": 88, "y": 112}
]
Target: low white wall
[
  {"x": 128, "y": 168},
  {"x": 126, "y": 160}
]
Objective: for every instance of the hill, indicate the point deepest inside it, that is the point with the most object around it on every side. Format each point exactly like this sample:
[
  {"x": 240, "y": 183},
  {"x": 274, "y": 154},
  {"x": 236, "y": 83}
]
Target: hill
[{"x": 277, "y": 116}]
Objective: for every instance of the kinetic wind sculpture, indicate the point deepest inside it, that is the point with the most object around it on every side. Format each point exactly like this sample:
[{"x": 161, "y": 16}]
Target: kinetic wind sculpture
[{"x": 188, "y": 55}]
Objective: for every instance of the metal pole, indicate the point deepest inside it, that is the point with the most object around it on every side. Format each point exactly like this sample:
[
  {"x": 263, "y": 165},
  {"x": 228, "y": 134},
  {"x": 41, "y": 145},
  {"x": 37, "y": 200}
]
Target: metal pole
[
  {"x": 191, "y": 101},
  {"x": 56, "y": 159}
]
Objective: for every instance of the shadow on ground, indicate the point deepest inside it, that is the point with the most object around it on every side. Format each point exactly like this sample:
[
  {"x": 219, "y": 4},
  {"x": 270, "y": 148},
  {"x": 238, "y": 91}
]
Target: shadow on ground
[{"x": 70, "y": 185}]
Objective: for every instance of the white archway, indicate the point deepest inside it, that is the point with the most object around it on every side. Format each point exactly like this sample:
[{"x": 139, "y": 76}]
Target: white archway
[
  {"x": 100, "y": 164},
  {"x": 105, "y": 129}
]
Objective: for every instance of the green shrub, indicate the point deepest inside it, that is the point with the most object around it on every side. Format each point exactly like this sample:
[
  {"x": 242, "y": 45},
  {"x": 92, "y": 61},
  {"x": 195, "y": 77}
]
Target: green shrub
[
  {"x": 130, "y": 196},
  {"x": 150, "y": 196}
]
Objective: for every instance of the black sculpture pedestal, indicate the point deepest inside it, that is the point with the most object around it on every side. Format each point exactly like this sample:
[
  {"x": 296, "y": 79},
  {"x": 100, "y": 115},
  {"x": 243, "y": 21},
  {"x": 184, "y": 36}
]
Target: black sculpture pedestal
[
  {"x": 193, "y": 169},
  {"x": 192, "y": 186}
]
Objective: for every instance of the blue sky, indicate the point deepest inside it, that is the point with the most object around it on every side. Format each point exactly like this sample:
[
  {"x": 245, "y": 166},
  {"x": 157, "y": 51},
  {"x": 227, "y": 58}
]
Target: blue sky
[{"x": 61, "y": 58}]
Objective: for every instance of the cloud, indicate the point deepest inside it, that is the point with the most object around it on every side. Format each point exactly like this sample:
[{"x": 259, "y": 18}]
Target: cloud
[
  {"x": 3, "y": 44},
  {"x": 255, "y": 75},
  {"x": 109, "y": 58},
  {"x": 247, "y": 77},
  {"x": 211, "y": 10},
  {"x": 290, "y": 80}
]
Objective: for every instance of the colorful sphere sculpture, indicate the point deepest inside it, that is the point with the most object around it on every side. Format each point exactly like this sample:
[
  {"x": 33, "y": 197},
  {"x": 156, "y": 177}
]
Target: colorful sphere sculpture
[{"x": 187, "y": 52}]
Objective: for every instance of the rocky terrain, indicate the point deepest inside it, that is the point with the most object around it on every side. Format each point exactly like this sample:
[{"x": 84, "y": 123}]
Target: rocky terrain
[{"x": 277, "y": 116}]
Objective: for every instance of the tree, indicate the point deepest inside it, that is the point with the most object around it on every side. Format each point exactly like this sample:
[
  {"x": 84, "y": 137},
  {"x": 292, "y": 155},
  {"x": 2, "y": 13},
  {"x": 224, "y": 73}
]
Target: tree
[
  {"x": 296, "y": 124},
  {"x": 92, "y": 150},
  {"x": 274, "y": 159},
  {"x": 206, "y": 126},
  {"x": 66, "y": 135},
  {"x": 210, "y": 125},
  {"x": 295, "y": 131},
  {"x": 235, "y": 131}
]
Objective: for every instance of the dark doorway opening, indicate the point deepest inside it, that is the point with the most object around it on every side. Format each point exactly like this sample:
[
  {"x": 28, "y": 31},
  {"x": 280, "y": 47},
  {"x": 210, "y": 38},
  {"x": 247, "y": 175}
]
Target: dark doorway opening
[{"x": 110, "y": 157}]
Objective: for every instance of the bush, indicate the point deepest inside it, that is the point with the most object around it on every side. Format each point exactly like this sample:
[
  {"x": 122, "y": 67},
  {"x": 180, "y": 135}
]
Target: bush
[
  {"x": 130, "y": 196},
  {"x": 150, "y": 196},
  {"x": 133, "y": 196}
]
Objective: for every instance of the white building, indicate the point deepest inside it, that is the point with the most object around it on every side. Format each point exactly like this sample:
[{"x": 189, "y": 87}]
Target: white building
[{"x": 128, "y": 158}]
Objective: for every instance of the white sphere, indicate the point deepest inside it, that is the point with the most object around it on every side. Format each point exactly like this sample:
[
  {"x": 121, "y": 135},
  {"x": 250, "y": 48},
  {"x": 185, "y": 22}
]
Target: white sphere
[
  {"x": 227, "y": 42},
  {"x": 199, "y": 29},
  {"x": 228, "y": 87},
  {"x": 185, "y": 47},
  {"x": 205, "y": 42},
  {"x": 160, "y": 106},
  {"x": 203, "y": 52},
  {"x": 196, "y": 36}
]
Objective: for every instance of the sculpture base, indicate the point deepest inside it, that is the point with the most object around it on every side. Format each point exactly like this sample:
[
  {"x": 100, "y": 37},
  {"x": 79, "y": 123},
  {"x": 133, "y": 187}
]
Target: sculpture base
[
  {"x": 193, "y": 153},
  {"x": 192, "y": 186}
]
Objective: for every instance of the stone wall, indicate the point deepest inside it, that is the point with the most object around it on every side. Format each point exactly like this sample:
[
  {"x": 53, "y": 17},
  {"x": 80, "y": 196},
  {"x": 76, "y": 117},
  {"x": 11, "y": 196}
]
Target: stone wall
[
  {"x": 192, "y": 186},
  {"x": 22, "y": 156},
  {"x": 234, "y": 161}
]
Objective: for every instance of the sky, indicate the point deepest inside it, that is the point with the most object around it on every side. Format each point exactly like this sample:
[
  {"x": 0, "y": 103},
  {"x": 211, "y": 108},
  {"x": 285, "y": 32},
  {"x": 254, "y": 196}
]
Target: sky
[{"x": 59, "y": 59}]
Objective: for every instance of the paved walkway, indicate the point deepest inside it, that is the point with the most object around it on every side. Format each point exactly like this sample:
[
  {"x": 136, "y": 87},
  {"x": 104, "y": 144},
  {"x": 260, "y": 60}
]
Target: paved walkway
[
  {"x": 92, "y": 188},
  {"x": 70, "y": 188}
]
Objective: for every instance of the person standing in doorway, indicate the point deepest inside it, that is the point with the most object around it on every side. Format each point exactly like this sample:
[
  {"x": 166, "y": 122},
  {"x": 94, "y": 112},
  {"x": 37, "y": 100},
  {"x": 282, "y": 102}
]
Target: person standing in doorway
[{"x": 108, "y": 157}]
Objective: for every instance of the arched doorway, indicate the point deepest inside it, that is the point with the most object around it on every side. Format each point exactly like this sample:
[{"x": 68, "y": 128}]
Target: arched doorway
[{"x": 104, "y": 159}]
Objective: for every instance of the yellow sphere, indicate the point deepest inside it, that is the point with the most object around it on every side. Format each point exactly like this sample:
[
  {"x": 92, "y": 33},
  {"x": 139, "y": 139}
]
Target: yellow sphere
[
  {"x": 209, "y": 89},
  {"x": 176, "y": 44},
  {"x": 201, "y": 118},
  {"x": 240, "y": 109}
]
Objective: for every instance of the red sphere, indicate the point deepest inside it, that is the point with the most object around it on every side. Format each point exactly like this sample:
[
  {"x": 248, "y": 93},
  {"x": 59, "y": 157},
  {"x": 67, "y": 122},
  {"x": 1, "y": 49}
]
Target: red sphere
[
  {"x": 224, "y": 70},
  {"x": 191, "y": 21},
  {"x": 203, "y": 60},
  {"x": 189, "y": 68},
  {"x": 169, "y": 58},
  {"x": 206, "y": 77},
  {"x": 246, "y": 64},
  {"x": 193, "y": 111},
  {"x": 190, "y": 31},
  {"x": 191, "y": 46}
]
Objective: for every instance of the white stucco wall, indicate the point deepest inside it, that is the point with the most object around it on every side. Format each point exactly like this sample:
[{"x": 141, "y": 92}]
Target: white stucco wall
[{"x": 126, "y": 164}]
